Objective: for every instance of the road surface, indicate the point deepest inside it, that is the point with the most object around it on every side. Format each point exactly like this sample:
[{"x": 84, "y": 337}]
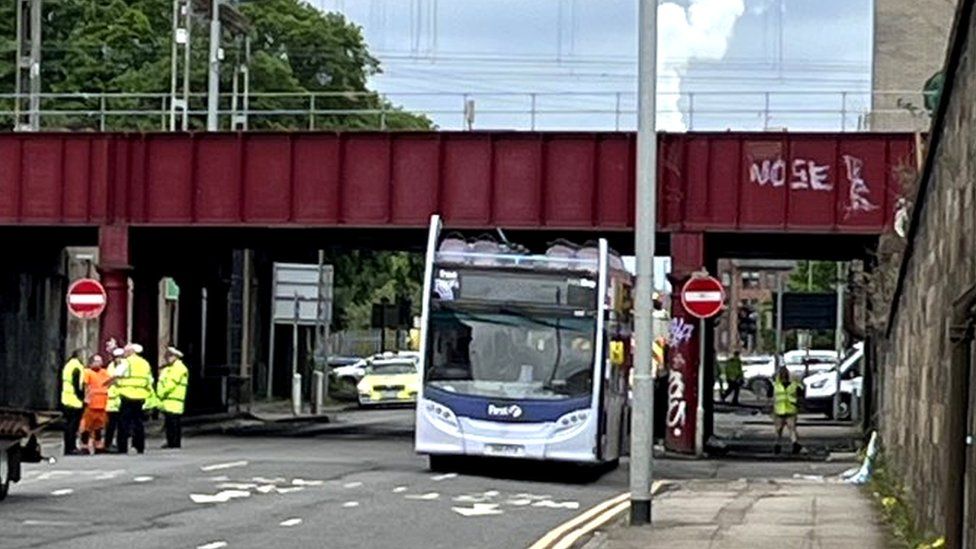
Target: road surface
[{"x": 353, "y": 487}]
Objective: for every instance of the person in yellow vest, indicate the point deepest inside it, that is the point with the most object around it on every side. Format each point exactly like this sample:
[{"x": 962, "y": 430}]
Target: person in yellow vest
[
  {"x": 133, "y": 353},
  {"x": 72, "y": 400},
  {"x": 171, "y": 389},
  {"x": 114, "y": 400},
  {"x": 786, "y": 407},
  {"x": 134, "y": 381}
]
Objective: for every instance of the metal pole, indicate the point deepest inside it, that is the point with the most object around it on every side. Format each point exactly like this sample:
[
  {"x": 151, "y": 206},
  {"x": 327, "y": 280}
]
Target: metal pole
[
  {"x": 642, "y": 418},
  {"x": 532, "y": 96},
  {"x": 173, "y": 67},
  {"x": 700, "y": 411},
  {"x": 839, "y": 335},
  {"x": 616, "y": 112},
  {"x": 691, "y": 110},
  {"x": 296, "y": 394},
  {"x": 271, "y": 337},
  {"x": 247, "y": 77},
  {"x": 101, "y": 110},
  {"x": 843, "y": 111},
  {"x": 213, "y": 78},
  {"x": 318, "y": 383},
  {"x": 779, "y": 316},
  {"x": 35, "y": 66},
  {"x": 203, "y": 328},
  {"x": 185, "y": 124}
]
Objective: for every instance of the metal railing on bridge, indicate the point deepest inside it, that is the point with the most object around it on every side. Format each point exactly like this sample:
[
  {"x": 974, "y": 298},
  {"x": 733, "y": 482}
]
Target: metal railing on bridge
[{"x": 598, "y": 110}]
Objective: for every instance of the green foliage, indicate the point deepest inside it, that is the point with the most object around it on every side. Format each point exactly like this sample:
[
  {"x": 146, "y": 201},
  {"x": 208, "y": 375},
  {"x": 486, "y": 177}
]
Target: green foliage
[
  {"x": 893, "y": 502},
  {"x": 364, "y": 277},
  {"x": 823, "y": 279},
  {"x": 113, "y": 46}
]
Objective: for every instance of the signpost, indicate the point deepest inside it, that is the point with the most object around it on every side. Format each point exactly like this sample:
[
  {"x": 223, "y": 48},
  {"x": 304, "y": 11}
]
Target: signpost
[
  {"x": 301, "y": 296},
  {"x": 703, "y": 296},
  {"x": 86, "y": 300}
]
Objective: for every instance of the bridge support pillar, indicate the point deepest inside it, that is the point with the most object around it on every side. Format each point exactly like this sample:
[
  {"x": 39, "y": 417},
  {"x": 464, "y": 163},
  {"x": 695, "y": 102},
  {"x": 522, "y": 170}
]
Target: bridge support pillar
[
  {"x": 113, "y": 253},
  {"x": 684, "y": 355}
]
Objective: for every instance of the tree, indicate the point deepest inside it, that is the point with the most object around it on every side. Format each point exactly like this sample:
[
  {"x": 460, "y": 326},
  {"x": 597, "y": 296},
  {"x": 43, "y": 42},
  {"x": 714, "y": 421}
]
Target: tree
[
  {"x": 116, "y": 46},
  {"x": 813, "y": 276}
]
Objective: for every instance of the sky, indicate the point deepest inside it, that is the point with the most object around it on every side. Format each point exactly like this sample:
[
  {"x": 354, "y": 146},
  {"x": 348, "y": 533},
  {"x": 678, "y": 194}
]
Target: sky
[{"x": 576, "y": 61}]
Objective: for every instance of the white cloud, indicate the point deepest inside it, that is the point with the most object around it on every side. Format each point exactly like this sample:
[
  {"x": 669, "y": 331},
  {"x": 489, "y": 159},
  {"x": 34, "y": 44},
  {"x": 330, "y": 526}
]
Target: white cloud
[{"x": 699, "y": 31}]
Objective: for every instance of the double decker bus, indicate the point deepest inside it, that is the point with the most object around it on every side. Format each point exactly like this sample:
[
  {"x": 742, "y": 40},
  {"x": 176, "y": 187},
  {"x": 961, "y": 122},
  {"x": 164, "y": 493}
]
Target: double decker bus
[{"x": 522, "y": 355}]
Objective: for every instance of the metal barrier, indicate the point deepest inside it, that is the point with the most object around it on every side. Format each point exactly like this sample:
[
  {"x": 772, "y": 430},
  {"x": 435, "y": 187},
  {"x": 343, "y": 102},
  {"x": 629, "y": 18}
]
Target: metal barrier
[{"x": 758, "y": 110}]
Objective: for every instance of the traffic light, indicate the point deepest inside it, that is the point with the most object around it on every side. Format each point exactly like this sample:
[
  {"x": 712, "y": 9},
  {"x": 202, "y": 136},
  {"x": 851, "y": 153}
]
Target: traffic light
[{"x": 747, "y": 322}]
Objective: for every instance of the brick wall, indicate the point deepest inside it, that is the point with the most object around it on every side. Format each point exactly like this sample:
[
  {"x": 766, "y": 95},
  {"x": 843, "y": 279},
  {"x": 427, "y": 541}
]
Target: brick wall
[
  {"x": 914, "y": 363},
  {"x": 909, "y": 46}
]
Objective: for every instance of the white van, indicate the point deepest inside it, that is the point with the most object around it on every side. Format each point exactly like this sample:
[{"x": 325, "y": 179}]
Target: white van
[{"x": 820, "y": 387}]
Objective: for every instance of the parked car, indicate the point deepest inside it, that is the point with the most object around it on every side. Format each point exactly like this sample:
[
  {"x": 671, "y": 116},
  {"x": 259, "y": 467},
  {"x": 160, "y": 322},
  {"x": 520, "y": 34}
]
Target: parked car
[
  {"x": 389, "y": 381},
  {"x": 821, "y": 387},
  {"x": 345, "y": 378}
]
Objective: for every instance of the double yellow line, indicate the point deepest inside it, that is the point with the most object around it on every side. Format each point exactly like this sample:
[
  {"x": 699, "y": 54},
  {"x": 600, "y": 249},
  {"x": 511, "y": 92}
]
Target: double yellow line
[{"x": 567, "y": 534}]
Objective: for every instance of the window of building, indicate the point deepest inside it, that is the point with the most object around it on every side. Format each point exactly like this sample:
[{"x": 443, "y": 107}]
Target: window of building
[{"x": 750, "y": 279}]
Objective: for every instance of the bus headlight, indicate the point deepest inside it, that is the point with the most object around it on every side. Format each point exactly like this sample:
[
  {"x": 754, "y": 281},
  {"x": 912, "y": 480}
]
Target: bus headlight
[
  {"x": 571, "y": 420},
  {"x": 441, "y": 414}
]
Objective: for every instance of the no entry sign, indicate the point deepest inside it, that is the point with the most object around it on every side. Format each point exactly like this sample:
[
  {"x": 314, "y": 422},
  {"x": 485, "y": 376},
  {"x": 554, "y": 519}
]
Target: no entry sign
[
  {"x": 86, "y": 298},
  {"x": 703, "y": 296}
]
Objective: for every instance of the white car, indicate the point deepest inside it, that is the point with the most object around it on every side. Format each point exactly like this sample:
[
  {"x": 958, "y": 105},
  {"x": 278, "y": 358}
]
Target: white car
[
  {"x": 355, "y": 372},
  {"x": 820, "y": 388},
  {"x": 759, "y": 371}
]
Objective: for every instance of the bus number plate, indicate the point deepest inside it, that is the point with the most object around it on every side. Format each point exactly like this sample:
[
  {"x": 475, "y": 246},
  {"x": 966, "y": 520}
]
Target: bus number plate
[{"x": 504, "y": 450}]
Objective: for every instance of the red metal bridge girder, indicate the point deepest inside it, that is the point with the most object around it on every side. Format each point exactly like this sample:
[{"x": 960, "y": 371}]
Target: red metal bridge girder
[{"x": 724, "y": 182}]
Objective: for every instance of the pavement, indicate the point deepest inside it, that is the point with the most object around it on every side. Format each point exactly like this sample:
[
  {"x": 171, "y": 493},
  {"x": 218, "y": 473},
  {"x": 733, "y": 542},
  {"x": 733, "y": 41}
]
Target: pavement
[
  {"x": 351, "y": 482},
  {"x": 760, "y": 514}
]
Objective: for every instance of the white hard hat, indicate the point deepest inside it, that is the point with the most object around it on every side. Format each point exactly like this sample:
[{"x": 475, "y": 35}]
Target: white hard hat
[
  {"x": 118, "y": 351},
  {"x": 134, "y": 347},
  {"x": 174, "y": 351}
]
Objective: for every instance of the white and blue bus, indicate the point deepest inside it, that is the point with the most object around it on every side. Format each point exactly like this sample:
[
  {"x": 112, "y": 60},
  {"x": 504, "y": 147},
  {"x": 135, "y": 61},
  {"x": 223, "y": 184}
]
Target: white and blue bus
[{"x": 523, "y": 356}]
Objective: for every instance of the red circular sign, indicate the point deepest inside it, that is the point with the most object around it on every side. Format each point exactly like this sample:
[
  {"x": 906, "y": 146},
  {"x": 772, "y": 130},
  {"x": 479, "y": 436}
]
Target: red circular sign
[
  {"x": 703, "y": 296},
  {"x": 86, "y": 298}
]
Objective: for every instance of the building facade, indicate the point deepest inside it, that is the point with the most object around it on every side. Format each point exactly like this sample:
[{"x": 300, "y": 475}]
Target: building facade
[{"x": 909, "y": 47}]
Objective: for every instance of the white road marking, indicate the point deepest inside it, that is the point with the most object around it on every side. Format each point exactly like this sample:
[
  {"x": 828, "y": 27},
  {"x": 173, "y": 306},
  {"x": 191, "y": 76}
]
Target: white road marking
[
  {"x": 290, "y": 522},
  {"x": 143, "y": 479},
  {"x": 221, "y": 478},
  {"x": 350, "y": 504},
  {"x": 220, "y": 497},
  {"x": 550, "y": 504},
  {"x": 445, "y": 476},
  {"x": 352, "y": 485},
  {"x": 289, "y": 489},
  {"x": 62, "y": 492},
  {"x": 213, "y": 545},
  {"x": 219, "y": 466},
  {"x": 478, "y": 510},
  {"x": 266, "y": 489},
  {"x": 399, "y": 489},
  {"x": 303, "y": 482},
  {"x": 50, "y": 523},
  {"x": 429, "y": 496}
]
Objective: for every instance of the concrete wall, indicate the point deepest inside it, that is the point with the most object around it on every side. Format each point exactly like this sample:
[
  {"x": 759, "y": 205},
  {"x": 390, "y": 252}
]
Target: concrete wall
[
  {"x": 909, "y": 46},
  {"x": 915, "y": 379}
]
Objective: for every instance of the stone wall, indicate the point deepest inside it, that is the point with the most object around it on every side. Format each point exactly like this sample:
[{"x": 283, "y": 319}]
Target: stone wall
[
  {"x": 909, "y": 46},
  {"x": 914, "y": 369}
]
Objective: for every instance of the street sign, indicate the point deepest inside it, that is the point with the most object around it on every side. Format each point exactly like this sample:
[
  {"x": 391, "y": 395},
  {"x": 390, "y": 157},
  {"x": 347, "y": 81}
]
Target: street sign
[
  {"x": 86, "y": 298},
  {"x": 703, "y": 296}
]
